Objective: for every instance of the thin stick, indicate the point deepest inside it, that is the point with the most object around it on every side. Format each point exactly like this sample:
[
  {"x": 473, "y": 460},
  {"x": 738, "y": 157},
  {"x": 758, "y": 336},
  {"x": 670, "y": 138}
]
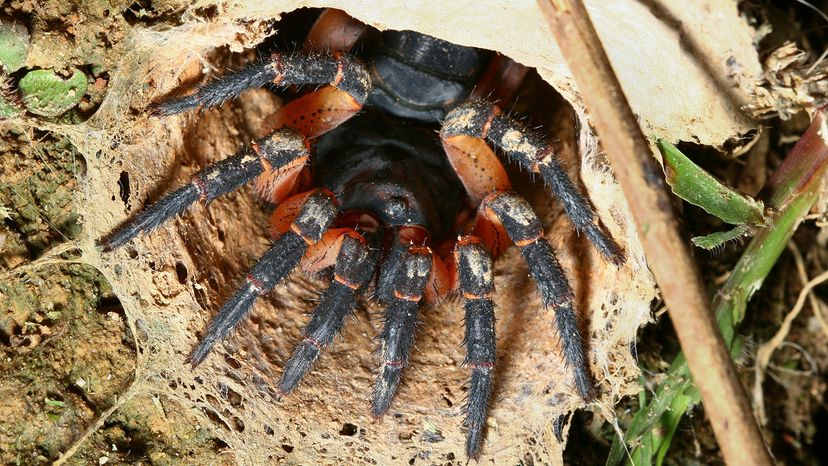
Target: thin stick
[
  {"x": 765, "y": 352},
  {"x": 816, "y": 303},
  {"x": 644, "y": 189}
]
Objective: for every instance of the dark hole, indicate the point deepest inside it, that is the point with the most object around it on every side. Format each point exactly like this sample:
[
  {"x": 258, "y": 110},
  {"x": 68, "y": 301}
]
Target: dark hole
[
  {"x": 131, "y": 252},
  {"x": 200, "y": 297},
  {"x": 219, "y": 444},
  {"x": 141, "y": 10},
  {"x": 123, "y": 186},
  {"x": 411, "y": 461},
  {"x": 217, "y": 420},
  {"x": 181, "y": 271},
  {"x": 238, "y": 424},
  {"x": 208, "y": 12},
  {"x": 234, "y": 398},
  {"x": 450, "y": 456},
  {"x": 232, "y": 362},
  {"x": 348, "y": 429},
  {"x": 287, "y": 448},
  {"x": 269, "y": 430}
]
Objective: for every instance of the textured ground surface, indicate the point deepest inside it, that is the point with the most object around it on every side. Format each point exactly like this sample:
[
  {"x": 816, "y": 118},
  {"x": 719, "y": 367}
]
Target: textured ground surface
[{"x": 165, "y": 286}]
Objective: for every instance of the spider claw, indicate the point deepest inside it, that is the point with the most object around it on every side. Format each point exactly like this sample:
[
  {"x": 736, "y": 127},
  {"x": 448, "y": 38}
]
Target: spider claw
[
  {"x": 384, "y": 389},
  {"x": 297, "y": 366}
]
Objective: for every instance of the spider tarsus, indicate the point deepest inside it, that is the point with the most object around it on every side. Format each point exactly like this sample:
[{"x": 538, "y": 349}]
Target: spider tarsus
[
  {"x": 219, "y": 90},
  {"x": 354, "y": 267},
  {"x": 278, "y": 149},
  {"x": 579, "y": 211},
  {"x": 304, "y": 355},
  {"x": 152, "y": 217},
  {"x": 397, "y": 335},
  {"x": 474, "y": 267},
  {"x": 384, "y": 389},
  {"x": 271, "y": 268}
]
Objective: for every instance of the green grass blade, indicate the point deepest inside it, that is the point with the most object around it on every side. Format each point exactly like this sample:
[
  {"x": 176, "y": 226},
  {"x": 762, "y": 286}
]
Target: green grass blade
[
  {"x": 698, "y": 187},
  {"x": 715, "y": 240},
  {"x": 791, "y": 191}
]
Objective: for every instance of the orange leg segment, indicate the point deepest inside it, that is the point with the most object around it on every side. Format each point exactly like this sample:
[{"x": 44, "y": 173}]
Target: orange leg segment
[
  {"x": 335, "y": 31},
  {"x": 324, "y": 252},
  {"x": 287, "y": 211},
  {"x": 476, "y": 165},
  {"x": 315, "y": 113}
]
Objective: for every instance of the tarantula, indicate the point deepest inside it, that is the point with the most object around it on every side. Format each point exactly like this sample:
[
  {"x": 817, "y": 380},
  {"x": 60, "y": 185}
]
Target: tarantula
[{"x": 375, "y": 200}]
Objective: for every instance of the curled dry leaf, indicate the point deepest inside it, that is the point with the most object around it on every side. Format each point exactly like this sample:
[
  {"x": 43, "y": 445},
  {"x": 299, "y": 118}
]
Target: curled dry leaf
[
  {"x": 790, "y": 84},
  {"x": 684, "y": 84}
]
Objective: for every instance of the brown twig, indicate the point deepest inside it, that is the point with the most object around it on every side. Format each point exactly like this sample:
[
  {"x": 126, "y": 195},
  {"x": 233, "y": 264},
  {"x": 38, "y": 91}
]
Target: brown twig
[{"x": 643, "y": 185}]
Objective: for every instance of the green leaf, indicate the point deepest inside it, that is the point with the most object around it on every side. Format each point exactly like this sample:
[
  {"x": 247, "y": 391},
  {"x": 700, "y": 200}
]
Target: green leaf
[
  {"x": 47, "y": 94},
  {"x": 14, "y": 46},
  {"x": 714, "y": 240},
  {"x": 698, "y": 187},
  {"x": 54, "y": 403},
  {"x": 793, "y": 189}
]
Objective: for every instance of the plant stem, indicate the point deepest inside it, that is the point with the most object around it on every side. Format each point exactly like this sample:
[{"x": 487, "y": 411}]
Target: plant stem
[
  {"x": 667, "y": 252},
  {"x": 791, "y": 192}
]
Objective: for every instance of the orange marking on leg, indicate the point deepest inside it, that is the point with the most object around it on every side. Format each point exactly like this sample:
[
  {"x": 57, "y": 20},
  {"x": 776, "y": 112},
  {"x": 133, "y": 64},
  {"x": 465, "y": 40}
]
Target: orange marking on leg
[
  {"x": 324, "y": 252},
  {"x": 277, "y": 63},
  {"x": 276, "y": 185},
  {"x": 476, "y": 165},
  {"x": 439, "y": 281},
  {"x": 528, "y": 241},
  {"x": 339, "y": 69},
  {"x": 345, "y": 282},
  {"x": 406, "y": 297},
  {"x": 486, "y": 126},
  {"x": 467, "y": 295},
  {"x": 287, "y": 211},
  {"x": 542, "y": 155},
  {"x": 295, "y": 228},
  {"x": 201, "y": 187},
  {"x": 488, "y": 228},
  {"x": 315, "y": 113}
]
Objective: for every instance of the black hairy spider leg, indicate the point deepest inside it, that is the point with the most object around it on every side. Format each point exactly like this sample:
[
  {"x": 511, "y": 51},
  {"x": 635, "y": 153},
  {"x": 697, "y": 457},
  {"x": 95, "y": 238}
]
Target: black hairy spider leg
[
  {"x": 474, "y": 267},
  {"x": 482, "y": 119},
  {"x": 341, "y": 70},
  {"x": 220, "y": 90},
  {"x": 526, "y": 231},
  {"x": 273, "y": 151},
  {"x": 317, "y": 214},
  {"x": 354, "y": 267},
  {"x": 400, "y": 319}
]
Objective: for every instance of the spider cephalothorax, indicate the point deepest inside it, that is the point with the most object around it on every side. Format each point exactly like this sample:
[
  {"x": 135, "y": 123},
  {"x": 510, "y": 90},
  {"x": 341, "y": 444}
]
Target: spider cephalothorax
[{"x": 377, "y": 201}]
